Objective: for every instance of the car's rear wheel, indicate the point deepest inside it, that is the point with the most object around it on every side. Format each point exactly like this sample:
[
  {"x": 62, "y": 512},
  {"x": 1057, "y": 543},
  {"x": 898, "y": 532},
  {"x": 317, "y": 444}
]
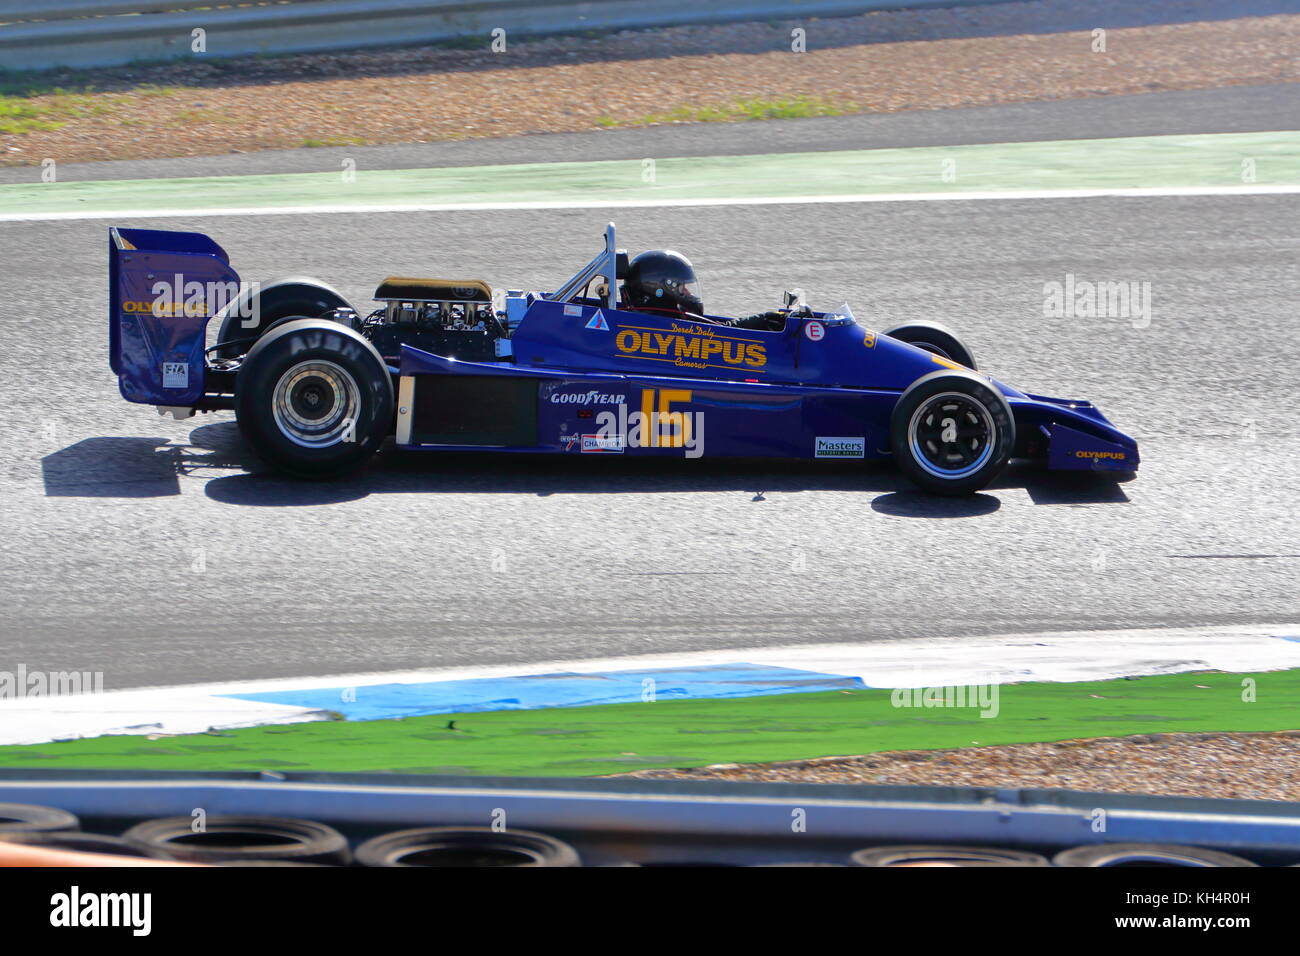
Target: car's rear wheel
[
  {"x": 314, "y": 398},
  {"x": 952, "y": 432},
  {"x": 935, "y": 338}
]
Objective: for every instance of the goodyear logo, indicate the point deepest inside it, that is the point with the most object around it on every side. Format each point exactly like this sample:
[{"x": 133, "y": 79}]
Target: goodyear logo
[
  {"x": 690, "y": 346},
  {"x": 1117, "y": 455},
  {"x": 587, "y": 398}
]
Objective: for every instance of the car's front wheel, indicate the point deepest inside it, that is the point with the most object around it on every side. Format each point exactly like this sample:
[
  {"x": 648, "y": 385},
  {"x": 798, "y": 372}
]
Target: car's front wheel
[
  {"x": 314, "y": 398},
  {"x": 952, "y": 432}
]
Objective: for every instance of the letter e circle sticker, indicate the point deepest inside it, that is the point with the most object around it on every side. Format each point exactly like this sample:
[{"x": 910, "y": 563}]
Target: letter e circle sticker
[{"x": 815, "y": 331}]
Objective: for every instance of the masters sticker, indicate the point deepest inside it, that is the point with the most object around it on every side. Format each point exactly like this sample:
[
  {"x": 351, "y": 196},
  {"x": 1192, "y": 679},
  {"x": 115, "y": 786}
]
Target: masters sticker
[
  {"x": 841, "y": 448},
  {"x": 176, "y": 374}
]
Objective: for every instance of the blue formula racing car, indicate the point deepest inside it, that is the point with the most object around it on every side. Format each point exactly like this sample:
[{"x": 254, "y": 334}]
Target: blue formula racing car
[{"x": 619, "y": 360}]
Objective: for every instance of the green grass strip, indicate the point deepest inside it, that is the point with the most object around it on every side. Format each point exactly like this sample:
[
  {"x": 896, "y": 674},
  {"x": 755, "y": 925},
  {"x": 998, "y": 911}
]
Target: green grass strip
[
  {"x": 741, "y": 110},
  {"x": 607, "y": 739},
  {"x": 1227, "y": 159}
]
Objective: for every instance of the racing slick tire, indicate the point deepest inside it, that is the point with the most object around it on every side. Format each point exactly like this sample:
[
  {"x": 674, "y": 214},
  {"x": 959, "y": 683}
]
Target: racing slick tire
[
  {"x": 314, "y": 399},
  {"x": 952, "y": 432},
  {"x": 299, "y": 296},
  {"x": 935, "y": 338}
]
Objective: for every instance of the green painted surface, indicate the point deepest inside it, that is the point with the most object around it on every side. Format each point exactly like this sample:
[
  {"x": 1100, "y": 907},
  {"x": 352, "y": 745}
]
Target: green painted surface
[
  {"x": 608, "y": 739},
  {"x": 1148, "y": 161}
]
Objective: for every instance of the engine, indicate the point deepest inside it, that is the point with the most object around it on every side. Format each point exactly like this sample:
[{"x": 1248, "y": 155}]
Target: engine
[{"x": 455, "y": 318}]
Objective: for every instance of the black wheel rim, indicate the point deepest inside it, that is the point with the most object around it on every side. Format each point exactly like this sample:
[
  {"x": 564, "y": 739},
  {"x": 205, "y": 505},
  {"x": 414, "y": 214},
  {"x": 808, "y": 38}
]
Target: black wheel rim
[{"x": 952, "y": 435}]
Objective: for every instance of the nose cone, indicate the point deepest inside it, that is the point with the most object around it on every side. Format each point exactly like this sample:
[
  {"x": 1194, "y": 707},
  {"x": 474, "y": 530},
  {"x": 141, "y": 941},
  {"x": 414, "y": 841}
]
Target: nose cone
[{"x": 1069, "y": 449}]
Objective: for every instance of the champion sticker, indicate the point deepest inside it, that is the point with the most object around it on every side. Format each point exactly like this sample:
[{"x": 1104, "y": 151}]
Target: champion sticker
[
  {"x": 840, "y": 448},
  {"x": 573, "y": 310},
  {"x": 598, "y": 322},
  {"x": 176, "y": 374},
  {"x": 603, "y": 444},
  {"x": 815, "y": 331}
]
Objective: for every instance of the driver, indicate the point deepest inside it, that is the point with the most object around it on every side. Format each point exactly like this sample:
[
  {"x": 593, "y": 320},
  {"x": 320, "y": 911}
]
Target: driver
[{"x": 664, "y": 282}]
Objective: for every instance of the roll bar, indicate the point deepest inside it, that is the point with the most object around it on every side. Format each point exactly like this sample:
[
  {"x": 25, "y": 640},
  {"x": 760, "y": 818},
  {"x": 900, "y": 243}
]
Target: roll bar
[{"x": 605, "y": 264}]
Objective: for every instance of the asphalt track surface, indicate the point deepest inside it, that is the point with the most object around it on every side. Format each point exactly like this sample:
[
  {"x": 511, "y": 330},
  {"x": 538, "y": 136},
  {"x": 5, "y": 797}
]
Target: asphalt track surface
[{"x": 160, "y": 553}]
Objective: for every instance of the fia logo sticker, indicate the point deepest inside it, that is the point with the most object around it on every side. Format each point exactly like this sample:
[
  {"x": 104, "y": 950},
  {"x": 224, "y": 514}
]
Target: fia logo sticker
[
  {"x": 598, "y": 322},
  {"x": 176, "y": 374}
]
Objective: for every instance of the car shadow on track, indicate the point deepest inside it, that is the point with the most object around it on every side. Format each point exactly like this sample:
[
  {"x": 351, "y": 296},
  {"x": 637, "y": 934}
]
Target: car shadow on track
[
  {"x": 153, "y": 467},
  {"x": 140, "y": 467}
]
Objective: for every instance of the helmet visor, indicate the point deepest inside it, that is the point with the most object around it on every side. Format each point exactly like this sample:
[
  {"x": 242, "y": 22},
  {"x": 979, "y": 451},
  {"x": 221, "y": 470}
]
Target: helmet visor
[{"x": 687, "y": 294}]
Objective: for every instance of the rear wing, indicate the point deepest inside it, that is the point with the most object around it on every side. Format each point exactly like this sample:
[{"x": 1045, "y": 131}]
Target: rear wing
[{"x": 163, "y": 287}]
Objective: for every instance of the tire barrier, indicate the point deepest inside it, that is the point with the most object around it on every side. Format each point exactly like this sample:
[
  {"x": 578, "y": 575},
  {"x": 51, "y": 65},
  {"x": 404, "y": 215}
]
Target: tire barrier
[
  {"x": 35, "y": 834},
  {"x": 1145, "y": 854},
  {"x": 84, "y": 843},
  {"x": 29, "y": 818},
  {"x": 229, "y": 839},
  {"x": 939, "y": 855},
  {"x": 466, "y": 847}
]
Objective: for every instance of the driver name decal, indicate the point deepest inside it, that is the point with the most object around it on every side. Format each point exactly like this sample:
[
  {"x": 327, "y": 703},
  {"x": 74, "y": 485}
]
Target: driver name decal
[{"x": 691, "y": 346}]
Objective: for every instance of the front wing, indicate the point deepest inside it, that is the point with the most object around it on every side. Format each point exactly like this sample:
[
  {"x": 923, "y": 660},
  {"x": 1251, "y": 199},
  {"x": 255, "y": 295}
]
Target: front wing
[{"x": 1072, "y": 435}]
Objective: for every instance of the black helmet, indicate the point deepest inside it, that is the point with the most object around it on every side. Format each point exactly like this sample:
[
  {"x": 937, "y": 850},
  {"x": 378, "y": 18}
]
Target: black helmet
[{"x": 663, "y": 279}]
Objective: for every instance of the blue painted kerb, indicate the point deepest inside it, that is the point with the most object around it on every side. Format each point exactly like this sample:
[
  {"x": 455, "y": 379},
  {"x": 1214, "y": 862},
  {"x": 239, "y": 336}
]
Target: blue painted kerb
[{"x": 380, "y": 701}]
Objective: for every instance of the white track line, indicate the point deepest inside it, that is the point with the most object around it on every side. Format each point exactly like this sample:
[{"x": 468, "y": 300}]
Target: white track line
[
  {"x": 1052, "y": 656},
  {"x": 328, "y": 208}
]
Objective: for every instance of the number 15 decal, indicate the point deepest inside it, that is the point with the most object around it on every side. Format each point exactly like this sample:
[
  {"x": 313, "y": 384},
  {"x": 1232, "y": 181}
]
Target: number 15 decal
[{"x": 667, "y": 428}]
